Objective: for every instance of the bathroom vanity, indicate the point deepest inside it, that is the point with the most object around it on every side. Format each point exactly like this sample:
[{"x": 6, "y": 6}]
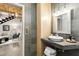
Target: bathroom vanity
[{"x": 63, "y": 48}]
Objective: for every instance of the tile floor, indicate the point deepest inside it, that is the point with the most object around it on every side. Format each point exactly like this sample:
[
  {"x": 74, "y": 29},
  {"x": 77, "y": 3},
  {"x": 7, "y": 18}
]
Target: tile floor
[{"x": 11, "y": 50}]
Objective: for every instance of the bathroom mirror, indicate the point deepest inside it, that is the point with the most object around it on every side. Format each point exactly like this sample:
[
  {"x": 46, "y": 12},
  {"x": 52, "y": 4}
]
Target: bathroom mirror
[{"x": 62, "y": 23}]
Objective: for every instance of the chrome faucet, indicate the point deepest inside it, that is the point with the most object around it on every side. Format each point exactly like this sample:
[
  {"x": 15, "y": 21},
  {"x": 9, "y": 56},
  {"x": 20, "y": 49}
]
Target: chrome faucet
[{"x": 56, "y": 34}]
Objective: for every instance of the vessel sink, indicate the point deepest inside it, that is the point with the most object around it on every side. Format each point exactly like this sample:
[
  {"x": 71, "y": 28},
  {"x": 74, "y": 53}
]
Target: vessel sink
[{"x": 56, "y": 38}]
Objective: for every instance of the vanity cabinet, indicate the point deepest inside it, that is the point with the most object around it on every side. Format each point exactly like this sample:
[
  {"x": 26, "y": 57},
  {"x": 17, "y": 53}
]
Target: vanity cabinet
[
  {"x": 71, "y": 52},
  {"x": 62, "y": 48}
]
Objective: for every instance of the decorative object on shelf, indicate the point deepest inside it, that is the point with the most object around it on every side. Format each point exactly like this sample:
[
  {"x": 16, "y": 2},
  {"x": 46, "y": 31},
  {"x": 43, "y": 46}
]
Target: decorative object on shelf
[
  {"x": 16, "y": 35},
  {"x": 3, "y": 40},
  {"x": 71, "y": 39},
  {"x": 6, "y": 27}
]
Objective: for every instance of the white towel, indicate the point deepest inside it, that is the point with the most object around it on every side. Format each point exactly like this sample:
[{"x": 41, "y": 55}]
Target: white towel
[{"x": 49, "y": 51}]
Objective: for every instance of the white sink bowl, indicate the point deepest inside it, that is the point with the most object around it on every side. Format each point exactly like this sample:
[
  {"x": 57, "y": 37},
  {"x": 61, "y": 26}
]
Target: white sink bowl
[{"x": 56, "y": 38}]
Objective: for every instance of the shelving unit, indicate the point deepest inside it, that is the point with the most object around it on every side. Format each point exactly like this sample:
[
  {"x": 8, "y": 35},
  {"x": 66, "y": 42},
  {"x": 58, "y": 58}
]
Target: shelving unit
[
  {"x": 9, "y": 42},
  {"x": 7, "y": 19},
  {"x": 11, "y": 14}
]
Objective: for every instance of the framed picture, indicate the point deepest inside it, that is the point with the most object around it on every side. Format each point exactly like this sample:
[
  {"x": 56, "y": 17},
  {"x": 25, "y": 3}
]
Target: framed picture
[{"x": 6, "y": 27}]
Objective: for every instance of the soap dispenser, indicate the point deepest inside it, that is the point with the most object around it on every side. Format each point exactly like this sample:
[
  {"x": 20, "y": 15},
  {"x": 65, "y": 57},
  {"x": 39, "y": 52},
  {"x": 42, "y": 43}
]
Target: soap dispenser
[{"x": 70, "y": 37}]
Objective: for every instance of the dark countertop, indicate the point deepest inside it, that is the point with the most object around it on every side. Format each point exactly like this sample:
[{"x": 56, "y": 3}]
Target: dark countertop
[{"x": 62, "y": 45}]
